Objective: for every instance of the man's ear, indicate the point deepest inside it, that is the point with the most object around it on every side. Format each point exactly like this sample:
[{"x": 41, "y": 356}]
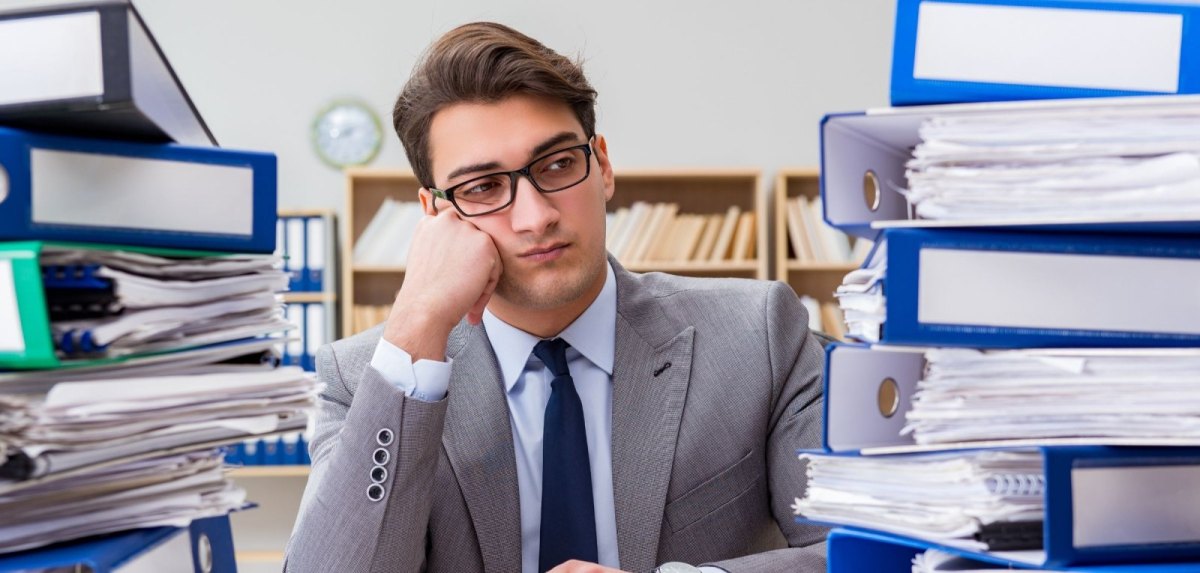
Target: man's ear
[
  {"x": 600, "y": 147},
  {"x": 427, "y": 200}
]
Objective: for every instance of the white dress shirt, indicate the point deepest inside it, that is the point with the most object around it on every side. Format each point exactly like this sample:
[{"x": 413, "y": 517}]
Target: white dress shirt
[{"x": 527, "y": 386}]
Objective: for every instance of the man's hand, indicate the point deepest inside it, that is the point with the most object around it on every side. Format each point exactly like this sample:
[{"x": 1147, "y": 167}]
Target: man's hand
[
  {"x": 453, "y": 268},
  {"x": 574, "y": 566}
]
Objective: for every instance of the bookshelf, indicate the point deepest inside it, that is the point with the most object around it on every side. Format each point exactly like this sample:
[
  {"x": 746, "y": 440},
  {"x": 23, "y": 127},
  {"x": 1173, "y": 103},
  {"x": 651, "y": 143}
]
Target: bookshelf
[
  {"x": 817, "y": 279},
  {"x": 366, "y": 190},
  {"x": 262, "y": 533},
  {"x": 699, "y": 192},
  {"x": 695, "y": 191},
  {"x": 328, "y": 295}
]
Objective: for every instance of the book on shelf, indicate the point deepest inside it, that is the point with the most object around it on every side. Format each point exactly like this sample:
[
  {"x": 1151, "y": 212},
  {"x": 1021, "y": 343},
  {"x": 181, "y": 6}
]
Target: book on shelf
[
  {"x": 721, "y": 250},
  {"x": 708, "y": 240},
  {"x": 743, "y": 241},
  {"x": 386, "y": 239},
  {"x": 811, "y": 240},
  {"x": 660, "y": 233},
  {"x": 366, "y": 316}
]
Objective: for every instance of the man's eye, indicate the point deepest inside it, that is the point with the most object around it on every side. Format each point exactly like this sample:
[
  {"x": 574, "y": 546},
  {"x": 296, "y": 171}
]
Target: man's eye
[
  {"x": 478, "y": 189},
  {"x": 559, "y": 164}
]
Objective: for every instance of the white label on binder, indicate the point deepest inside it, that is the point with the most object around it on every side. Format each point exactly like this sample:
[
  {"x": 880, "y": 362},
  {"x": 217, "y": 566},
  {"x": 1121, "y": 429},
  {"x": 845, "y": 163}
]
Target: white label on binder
[
  {"x": 1099, "y": 49},
  {"x": 295, "y": 315},
  {"x": 295, "y": 244},
  {"x": 12, "y": 337},
  {"x": 315, "y": 250},
  {"x": 117, "y": 192},
  {"x": 55, "y": 57},
  {"x": 1135, "y": 505},
  {"x": 1048, "y": 290},
  {"x": 314, "y": 329}
]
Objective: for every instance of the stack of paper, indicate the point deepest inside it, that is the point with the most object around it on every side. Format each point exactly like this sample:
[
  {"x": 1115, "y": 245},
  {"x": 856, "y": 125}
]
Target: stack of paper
[
  {"x": 116, "y": 303},
  {"x": 1103, "y": 162},
  {"x": 948, "y": 498},
  {"x": 861, "y": 297},
  {"x": 228, "y": 357},
  {"x": 168, "y": 490},
  {"x": 1107, "y": 394},
  {"x": 79, "y": 424}
]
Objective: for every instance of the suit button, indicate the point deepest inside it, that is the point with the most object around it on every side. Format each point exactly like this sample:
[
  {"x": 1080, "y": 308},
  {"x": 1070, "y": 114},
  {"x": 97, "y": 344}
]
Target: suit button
[
  {"x": 381, "y": 456},
  {"x": 384, "y": 437},
  {"x": 375, "y": 492},
  {"x": 378, "y": 474}
]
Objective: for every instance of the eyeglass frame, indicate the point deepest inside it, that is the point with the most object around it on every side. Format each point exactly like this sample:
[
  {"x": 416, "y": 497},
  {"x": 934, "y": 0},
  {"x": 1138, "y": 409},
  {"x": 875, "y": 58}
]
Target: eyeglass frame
[{"x": 448, "y": 194}]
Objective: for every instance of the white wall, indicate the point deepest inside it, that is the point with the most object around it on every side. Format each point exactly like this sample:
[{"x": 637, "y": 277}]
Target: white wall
[{"x": 709, "y": 83}]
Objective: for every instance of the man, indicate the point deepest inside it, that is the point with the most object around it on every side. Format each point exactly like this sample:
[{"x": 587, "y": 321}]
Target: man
[{"x": 580, "y": 417}]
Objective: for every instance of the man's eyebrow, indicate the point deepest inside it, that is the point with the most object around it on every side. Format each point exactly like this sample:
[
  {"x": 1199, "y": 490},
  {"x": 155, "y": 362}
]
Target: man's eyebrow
[
  {"x": 547, "y": 145},
  {"x": 553, "y": 142}
]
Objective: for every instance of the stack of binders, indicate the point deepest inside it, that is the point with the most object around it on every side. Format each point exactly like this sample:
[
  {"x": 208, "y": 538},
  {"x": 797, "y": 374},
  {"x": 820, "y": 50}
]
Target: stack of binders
[
  {"x": 139, "y": 303},
  {"x": 1025, "y": 390}
]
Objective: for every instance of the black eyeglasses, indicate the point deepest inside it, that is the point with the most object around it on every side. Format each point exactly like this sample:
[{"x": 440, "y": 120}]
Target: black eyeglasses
[{"x": 549, "y": 173}]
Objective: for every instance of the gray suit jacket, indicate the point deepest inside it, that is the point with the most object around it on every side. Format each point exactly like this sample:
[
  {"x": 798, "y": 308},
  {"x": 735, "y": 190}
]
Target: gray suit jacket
[{"x": 704, "y": 463}]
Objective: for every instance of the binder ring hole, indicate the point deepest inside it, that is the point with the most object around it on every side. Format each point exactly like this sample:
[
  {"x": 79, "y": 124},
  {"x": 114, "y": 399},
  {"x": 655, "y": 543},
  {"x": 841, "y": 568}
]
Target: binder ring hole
[
  {"x": 204, "y": 553},
  {"x": 888, "y": 397},
  {"x": 872, "y": 193},
  {"x": 3, "y": 184}
]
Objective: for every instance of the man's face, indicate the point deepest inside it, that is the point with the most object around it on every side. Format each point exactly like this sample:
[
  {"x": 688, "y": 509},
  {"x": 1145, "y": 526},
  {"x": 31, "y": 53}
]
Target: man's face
[{"x": 551, "y": 245}]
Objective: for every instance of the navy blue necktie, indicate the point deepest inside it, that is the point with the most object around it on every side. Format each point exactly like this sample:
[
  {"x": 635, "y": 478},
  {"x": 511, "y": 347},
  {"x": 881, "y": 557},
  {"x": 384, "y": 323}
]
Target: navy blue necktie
[{"x": 568, "y": 516}]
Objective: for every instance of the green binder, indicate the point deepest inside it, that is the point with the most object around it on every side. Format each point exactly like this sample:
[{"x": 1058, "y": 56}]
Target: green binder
[{"x": 26, "y": 340}]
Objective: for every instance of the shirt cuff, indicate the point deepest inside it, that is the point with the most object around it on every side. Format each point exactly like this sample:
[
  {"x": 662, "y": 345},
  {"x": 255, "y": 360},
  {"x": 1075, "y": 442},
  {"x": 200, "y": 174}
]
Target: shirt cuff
[
  {"x": 426, "y": 380},
  {"x": 711, "y": 569}
]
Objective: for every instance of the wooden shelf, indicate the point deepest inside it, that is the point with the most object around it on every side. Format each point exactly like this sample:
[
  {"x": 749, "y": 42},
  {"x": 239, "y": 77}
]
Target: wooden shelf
[
  {"x": 377, "y": 269},
  {"x": 703, "y": 191},
  {"x": 269, "y": 471},
  {"x": 794, "y": 265},
  {"x": 699, "y": 191},
  {"x": 258, "y": 556},
  {"x": 696, "y": 267},
  {"x": 366, "y": 190},
  {"x": 308, "y": 297}
]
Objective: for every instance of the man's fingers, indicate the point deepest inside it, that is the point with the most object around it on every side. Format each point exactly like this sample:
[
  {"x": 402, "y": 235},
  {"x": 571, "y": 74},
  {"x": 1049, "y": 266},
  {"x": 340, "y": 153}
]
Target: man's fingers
[{"x": 475, "y": 316}]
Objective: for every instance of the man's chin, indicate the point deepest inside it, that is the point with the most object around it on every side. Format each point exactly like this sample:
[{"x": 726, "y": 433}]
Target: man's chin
[{"x": 545, "y": 286}]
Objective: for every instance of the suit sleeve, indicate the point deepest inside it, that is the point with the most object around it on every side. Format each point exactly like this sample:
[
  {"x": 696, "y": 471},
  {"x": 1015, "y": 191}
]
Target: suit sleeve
[
  {"x": 797, "y": 369},
  {"x": 356, "y": 516}
]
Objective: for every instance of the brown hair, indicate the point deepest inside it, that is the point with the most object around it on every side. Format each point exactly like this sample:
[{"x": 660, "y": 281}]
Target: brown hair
[{"x": 484, "y": 62}]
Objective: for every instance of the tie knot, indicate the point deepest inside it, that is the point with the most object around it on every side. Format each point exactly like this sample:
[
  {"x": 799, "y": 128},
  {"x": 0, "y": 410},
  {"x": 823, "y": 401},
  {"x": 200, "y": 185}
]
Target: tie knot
[{"x": 553, "y": 353}]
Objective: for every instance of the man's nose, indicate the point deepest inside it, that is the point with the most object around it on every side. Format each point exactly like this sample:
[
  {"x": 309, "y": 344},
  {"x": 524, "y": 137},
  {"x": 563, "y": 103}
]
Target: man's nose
[{"x": 532, "y": 211}]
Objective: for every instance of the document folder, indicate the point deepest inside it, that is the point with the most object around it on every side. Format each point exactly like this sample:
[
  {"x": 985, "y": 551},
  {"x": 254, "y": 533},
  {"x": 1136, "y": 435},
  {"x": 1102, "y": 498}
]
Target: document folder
[
  {"x": 92, "y": 69},
  {"x": 949, "y": 51},
  {"x": 854, "y": 550},
  {"x": 27, "y": 340},
  {"x": 863, "y": 156},
  {"x": 1032, "y": 290},
  {"x": 1115, "y": 505},
  {"x": 206, "y": 543},
  {"x": 870, "y": 391},
  {"x": 86, "y": 190}
]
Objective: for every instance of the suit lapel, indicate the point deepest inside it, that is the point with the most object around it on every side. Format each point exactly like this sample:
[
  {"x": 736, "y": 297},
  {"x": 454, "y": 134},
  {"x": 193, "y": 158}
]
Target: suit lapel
[
  {"x": 646, "y": 412},
  {"x": 478, "y": 441}
]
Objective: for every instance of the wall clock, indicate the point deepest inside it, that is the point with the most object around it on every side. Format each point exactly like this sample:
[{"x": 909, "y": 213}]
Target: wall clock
[{"x": 347, "y": 133}]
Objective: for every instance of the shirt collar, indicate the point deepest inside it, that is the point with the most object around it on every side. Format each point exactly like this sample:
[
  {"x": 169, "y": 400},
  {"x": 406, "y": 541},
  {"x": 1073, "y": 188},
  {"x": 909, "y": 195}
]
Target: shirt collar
[{"x": 593, "y": 335}]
